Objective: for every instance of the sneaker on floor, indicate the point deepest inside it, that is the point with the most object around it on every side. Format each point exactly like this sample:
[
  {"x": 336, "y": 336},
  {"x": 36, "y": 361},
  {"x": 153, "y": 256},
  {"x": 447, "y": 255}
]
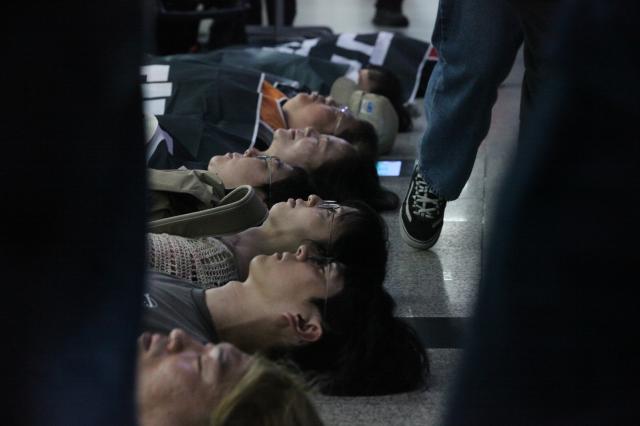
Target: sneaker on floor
[
  {"x": 421, "y": 214},
  {"x": 390, "y": 18}
]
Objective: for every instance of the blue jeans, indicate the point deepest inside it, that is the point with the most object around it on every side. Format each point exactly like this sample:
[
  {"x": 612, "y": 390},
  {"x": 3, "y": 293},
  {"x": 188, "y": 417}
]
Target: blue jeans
[{"x": 477, "y": 42}]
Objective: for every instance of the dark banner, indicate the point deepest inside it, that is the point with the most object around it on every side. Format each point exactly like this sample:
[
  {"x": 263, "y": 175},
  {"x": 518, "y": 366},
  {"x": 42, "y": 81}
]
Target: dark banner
[{"x": 406, "y": 57}]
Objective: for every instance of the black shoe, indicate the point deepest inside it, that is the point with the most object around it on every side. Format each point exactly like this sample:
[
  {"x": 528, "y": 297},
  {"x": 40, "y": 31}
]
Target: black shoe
[
  {"x": 421, "y": 214},
  {"x": 390, "y": 18}
]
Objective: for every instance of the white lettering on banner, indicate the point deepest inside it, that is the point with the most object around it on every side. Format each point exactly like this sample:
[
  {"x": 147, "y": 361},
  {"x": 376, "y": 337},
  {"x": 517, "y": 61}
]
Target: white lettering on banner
[
  {"x": 158, "y": 137},
  {"x": 155, "y": 73},
  {"x": 155, "y": 87},
  {"x": 156, "y": 90},
  {"x": 299, "y": 48},
  {"x": 306, "y": 46},
  {"x": 382, "y": 47},
  {"x": 348, "y": 41},
  {"x": 154, "y": 106},
  {"x": 376, "y": 53},
  {"x": 354, "y": 66},
  {"x": 285, "y": 48}
]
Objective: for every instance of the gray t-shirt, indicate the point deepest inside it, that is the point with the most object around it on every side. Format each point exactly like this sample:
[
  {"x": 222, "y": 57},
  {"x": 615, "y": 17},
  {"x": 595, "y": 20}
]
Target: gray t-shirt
[{"x": 169, "y": 303}]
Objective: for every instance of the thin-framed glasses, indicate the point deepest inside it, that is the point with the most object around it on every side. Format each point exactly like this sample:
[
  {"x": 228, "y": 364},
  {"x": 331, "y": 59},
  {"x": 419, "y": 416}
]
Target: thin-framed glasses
[
  {"x": 332, "y": 206},
  {"x": 267, "y": 159},
  {"x": 341, "y": 113},
  {"x": 323, "y": 261}
]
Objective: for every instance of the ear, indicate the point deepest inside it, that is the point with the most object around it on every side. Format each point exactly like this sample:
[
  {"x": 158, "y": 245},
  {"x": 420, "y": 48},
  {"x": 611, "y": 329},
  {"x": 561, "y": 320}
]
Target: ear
[{"x": 305, "y": 330}]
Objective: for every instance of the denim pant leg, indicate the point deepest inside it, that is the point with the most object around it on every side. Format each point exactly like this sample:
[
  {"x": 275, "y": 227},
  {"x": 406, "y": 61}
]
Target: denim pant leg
[{"x": 477, "y": 42}]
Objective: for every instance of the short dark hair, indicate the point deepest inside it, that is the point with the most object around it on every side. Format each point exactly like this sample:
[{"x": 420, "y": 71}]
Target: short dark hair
[
  {"x": 360, "y": 240},
  {"x": 386, "y": 83}
]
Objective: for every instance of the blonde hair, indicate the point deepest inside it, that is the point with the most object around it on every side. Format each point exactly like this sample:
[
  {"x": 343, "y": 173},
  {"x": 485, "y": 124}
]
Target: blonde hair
[{"x": 269, "y": 394}]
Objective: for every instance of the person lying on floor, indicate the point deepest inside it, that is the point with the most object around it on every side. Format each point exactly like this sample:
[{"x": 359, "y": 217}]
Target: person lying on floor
[
  {"x": 397, "y": 64},
  {"x": 206, "y": 110},
  {"x": 344, "y": 230},
  {"x": 274, "y": 180},
  {"x": 181, "y": 381},
  {"x": 335, "y": 169},
  {"x": 326, "y": 317}
]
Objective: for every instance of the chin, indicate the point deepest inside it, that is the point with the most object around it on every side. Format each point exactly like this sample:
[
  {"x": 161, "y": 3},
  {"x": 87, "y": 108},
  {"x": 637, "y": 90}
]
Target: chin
[{"x": 276, "y": 207}]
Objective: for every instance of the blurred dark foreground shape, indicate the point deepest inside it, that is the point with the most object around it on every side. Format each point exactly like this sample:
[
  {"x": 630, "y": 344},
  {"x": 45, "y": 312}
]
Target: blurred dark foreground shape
[
  {"x": 72, "y": 248},
  {"x": 554, "y": 337}
]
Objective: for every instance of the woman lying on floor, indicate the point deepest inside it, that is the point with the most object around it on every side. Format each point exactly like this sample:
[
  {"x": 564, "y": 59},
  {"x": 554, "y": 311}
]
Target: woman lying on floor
[
  {"x": 335, "y": 169},
  {"x": 181, "y": 381},
  {"x": 329, "y": 318}
]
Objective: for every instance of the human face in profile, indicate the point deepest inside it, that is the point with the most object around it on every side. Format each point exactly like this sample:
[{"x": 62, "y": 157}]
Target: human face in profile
[
  {"x": 308, "y": 148},
  {"x": 295, "y": 279},
  {"x": 236, "y": 169},
  {"x": 313, "y": 110},
  {"x": 309, "y": 219},
  {"x": 179, "y": 376}
]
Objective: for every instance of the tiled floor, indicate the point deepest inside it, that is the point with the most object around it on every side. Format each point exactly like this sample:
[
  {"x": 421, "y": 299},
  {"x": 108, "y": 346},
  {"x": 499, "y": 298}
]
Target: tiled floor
[{"x": 434, "y": 288}]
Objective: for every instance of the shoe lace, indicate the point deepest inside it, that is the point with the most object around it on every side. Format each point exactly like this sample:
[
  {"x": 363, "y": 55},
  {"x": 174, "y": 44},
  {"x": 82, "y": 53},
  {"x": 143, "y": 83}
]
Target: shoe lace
[{"x": 424, "y": 203}]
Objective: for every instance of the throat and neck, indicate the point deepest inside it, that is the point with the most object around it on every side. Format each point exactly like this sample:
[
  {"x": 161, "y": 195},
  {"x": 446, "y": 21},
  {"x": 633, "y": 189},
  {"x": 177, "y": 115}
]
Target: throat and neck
[
  {"x": 242, "y": 318},
  {"x": 252, "y": 242}
]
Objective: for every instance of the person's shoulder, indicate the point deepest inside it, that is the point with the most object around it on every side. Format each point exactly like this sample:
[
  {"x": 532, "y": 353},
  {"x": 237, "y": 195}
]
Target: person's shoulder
[{"x": 163, "y": 279}]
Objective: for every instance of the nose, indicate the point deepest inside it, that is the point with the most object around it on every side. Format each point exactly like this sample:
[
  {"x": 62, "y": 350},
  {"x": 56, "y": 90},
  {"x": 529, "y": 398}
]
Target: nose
[
  {"x": 310, "y": 131},
  {"x": 251, "y": 152},
  {"x": 313, "y": 200},
  {"x": 302, "y": 252},
  {"x": 176, "y": 341}
]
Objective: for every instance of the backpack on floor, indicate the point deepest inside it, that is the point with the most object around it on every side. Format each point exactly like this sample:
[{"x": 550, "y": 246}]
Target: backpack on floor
[{"x": 193, "y": 203}]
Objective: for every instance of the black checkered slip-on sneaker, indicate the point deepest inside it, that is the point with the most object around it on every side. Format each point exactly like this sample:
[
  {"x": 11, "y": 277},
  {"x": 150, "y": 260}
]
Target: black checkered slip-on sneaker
[{"x": 421, "y": 214}]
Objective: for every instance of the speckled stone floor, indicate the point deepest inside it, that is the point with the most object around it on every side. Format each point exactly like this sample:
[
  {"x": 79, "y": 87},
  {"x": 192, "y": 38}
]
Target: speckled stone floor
[{"x": 434, "y": 289}]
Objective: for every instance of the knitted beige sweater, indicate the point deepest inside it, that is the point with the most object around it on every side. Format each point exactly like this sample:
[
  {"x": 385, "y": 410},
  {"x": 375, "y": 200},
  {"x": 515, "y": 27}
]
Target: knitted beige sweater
[{"x": 206, "y": 262}]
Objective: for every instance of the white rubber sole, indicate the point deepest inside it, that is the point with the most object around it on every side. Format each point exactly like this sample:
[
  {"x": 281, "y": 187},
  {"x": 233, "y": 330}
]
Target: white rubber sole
[{"x": 417, "y": 244}]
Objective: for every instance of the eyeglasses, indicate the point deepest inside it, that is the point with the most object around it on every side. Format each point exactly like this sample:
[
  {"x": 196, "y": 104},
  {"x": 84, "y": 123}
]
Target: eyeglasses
[
  {"x": 267, "y": 159},
  {"x": 333, "y": 207},
  {"x": 329, "y": 205},
  {"x": 323, "y": 261},
  {"x": 341, "y": 113}
]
